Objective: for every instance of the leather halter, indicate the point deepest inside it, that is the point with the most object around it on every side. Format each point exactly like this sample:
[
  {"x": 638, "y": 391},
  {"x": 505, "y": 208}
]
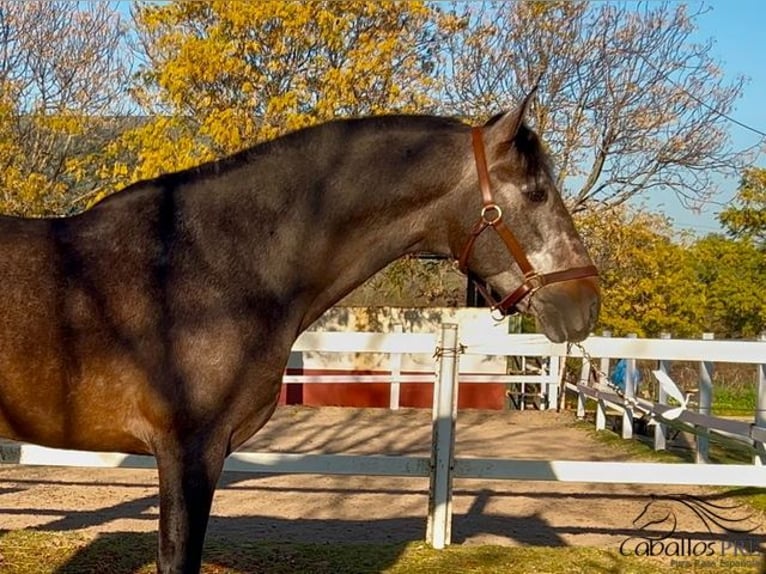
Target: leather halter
[{"x": 492, "y": 216}]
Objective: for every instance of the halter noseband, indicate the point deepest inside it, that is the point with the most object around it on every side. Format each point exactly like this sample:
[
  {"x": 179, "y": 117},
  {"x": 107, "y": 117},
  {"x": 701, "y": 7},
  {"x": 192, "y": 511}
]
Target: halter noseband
[{"x": 492, "y": 216}]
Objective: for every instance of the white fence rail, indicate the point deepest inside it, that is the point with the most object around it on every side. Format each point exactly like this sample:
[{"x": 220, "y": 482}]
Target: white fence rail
[
  {"x": 441, "y": 467},
  {"x": 399, "y": 345},
  {"x": 706, "y": 353}
]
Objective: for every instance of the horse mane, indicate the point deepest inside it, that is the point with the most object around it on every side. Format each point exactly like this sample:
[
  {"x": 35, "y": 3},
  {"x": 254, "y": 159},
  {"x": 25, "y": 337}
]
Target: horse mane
[{"x": 307, "y": 137}]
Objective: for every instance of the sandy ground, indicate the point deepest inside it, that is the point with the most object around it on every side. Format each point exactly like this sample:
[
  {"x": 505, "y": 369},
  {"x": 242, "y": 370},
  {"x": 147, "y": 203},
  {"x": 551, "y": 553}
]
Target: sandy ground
[{"x": 309, "y": 508}]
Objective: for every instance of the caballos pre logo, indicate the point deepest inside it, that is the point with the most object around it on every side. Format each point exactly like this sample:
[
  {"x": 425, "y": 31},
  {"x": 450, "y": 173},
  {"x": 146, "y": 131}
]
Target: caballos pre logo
[{"x": 668, "y": 526}]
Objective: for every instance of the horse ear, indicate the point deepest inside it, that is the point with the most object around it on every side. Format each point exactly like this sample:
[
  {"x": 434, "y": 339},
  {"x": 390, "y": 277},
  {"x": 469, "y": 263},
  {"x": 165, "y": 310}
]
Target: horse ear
[{"x": 504, "y": 127}]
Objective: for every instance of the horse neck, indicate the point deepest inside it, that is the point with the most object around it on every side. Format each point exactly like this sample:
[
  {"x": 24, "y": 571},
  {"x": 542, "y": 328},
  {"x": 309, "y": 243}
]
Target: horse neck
[{"x": 378, "y": 197}]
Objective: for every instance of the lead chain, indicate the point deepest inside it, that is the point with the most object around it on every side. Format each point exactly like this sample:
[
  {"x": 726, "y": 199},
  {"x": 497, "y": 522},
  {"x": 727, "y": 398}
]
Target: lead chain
[{"x": 603, "y": 378}]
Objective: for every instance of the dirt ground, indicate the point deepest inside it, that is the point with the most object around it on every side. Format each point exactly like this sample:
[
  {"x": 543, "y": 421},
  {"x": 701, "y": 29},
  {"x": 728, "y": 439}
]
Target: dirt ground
[{"x": 309, "y": 508}]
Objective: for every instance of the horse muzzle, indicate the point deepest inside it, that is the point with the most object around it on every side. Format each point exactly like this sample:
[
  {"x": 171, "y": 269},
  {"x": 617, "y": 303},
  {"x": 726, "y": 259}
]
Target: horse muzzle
[{"x": 567, "y": 310}]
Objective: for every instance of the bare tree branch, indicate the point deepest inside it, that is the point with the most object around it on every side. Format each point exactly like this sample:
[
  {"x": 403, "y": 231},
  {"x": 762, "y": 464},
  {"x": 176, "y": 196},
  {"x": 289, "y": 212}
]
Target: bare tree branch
[
  {"x": 63, "y": 77},
  {"x": 619, "y": 101}
]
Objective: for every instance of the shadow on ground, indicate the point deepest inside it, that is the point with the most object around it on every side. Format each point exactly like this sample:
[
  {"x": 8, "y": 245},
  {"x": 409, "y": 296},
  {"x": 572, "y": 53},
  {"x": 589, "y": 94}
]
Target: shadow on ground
[
  {"x": 275, "y": 545},
  {"x": 128, "y": 552}
]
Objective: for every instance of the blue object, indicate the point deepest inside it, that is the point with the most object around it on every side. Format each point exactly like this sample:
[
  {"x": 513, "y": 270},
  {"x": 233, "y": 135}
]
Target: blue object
[{"x": 618, "y": 375}]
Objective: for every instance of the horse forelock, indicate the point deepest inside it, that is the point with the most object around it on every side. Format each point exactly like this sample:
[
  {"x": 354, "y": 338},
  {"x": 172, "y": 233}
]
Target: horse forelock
[{"x": 532, "y": 157}]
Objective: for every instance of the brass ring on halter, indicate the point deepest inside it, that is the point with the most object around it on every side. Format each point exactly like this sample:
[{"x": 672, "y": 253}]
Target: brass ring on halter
[{"x": 491, "y": 207}]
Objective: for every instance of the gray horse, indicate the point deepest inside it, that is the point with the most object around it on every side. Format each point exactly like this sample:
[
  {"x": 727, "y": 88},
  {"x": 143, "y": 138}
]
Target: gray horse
[{"x": 160, "y": 321}]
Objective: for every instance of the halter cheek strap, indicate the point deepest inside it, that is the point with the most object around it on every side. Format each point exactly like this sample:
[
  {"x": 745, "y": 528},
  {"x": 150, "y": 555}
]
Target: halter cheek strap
[{"x": 492, "y": 216}]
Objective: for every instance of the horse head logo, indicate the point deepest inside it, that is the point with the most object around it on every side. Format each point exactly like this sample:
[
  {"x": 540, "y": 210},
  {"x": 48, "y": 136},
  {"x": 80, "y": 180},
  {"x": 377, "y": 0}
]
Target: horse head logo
[
  {"x": 659, "y": 515},
  {"x": 662, "y": 513}
]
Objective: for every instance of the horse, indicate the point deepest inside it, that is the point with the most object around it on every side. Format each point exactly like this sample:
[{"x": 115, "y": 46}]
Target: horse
[{"x": 160, "y": 320}]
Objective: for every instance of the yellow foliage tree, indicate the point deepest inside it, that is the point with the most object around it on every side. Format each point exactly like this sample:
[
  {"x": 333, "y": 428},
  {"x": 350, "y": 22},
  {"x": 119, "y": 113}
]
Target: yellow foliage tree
[
  {"x": 220, "y": 76},
  {"x": 745, "y": 217},
  {"x": 60, "y": 79},
  {"x": 649, "y": 284}
]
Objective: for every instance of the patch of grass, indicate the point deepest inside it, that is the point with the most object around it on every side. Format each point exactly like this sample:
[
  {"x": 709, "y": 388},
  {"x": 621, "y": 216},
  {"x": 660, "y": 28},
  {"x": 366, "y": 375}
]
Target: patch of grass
[
  {"x": 723, "y": 450},
  {"x": 33, "y": 552},
  {"x": 734, "y": 400},
  {"x": 635, "y": 449},
  {"x": 641, "y": 448},
  {"x": 420, "y": 559},
  {"x": 735, "y": 392}
]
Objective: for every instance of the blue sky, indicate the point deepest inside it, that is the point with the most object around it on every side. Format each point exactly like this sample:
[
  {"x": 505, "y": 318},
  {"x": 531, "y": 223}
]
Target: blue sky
[{"x": 737, "y": 30}]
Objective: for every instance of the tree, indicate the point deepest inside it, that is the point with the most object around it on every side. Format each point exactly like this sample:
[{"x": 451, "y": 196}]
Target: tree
[
  {"x": 627, "y": 102},
  {"x": 653, "y": 280},
  {"x": 731, "y": 274},
  {"x": 61, "y": 71},
  {"x": 220, "y": 76},
  {"x": 746, "y": 218},
  {"x": 412, "y": 282},
  {"x": 648, "y": 282}
]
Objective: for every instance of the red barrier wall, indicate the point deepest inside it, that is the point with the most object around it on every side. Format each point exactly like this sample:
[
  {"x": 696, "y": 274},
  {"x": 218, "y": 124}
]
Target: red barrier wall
[{"x": 416, "y": 395}]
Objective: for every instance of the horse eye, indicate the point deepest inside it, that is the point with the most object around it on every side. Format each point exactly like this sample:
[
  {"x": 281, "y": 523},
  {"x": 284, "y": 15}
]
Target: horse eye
[{"x": 536, "y": 193}]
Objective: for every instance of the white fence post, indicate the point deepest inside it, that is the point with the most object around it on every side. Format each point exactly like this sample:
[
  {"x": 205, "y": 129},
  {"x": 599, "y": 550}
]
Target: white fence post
[
  {"x": 603, "y": 366},
  {"x": 439, "y": 528},
  {"x": 760, "y": 412},
  {"x": 630, "y": 394},
  {"x": 661, "y": 429},
  {"x": 584, "y": 377},
  {"x": 603, "y": 371},
  {"x": 395, "y": 365},
  {"x": 600, "y": 415},
  {"x": 554, "y": 380},
  {"x": 580, "y": 414},
  {"x": 705, "y": 402}
]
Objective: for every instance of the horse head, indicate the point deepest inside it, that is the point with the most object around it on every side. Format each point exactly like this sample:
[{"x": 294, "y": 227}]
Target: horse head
[
  {"x": 657, "y": 513},
  {"x": 536, "y": 261}
]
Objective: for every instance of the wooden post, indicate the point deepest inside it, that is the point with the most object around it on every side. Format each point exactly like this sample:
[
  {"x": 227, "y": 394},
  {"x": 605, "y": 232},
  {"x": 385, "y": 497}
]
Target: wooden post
[
  {"x": 600, "y": 415},
  {"x": 523, "y": 385},
  {"x": 760, "y": 413},
  {"x": 705, "y": 402},
  {"x": 630, "y": 393},
  {"x": 439, "y": 527},
  {"x": 555, "y": 379},
  {"x": 580, "y": 414},
  {"x": 660, "y": 429},
  {"x": 395, "y": 364}
]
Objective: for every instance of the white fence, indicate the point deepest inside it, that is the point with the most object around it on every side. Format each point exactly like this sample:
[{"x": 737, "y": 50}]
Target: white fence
[
  {"x": 441, "y": 467},
  {"x": 413, "y": 353},
  {"x": 698, "y": 420}
]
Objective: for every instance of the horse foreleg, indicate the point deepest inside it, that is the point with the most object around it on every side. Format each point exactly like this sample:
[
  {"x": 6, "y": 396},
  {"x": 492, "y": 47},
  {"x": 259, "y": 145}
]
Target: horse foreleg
[{"x": 187, "y": 478}]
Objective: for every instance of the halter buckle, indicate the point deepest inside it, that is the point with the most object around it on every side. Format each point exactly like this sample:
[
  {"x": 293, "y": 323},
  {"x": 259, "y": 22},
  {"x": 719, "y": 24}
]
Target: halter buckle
[{"x": 535, "y": 280}]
